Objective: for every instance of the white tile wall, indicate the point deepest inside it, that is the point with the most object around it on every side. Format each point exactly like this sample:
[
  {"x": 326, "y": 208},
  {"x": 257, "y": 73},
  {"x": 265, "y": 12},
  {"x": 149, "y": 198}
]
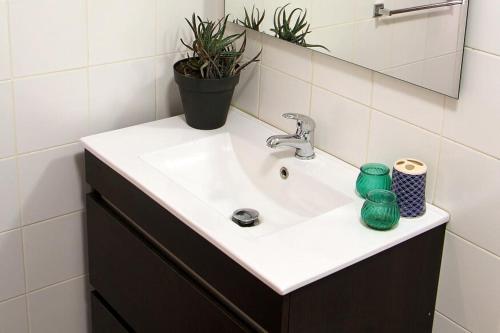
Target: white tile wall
[
  {"x": 7, "y": 136},
  {"x": 13, "y": 316},
  {"x": 468, "y": 182},
  {"x": 121, "y": 29},
  {"x": 4, "y": 43},
  {"x": 60, "y": 308},
  {"x": 246, "y": 96},
  {"x": 364, "y": 116},
  {"x": 474, "y": 119},
  {"x": 168, "y": 99},
  {"x": 445, "y": 325},
  {"x": 415, "y": 105},
  {"x": 469, "y": 291},
  {"x": 54, "y": 250},
  {"x": 286, "y": 57},
  {"x": 51, "y": 110},
  {"x": 280, "y": 93},
  {"x": 122, "y": 95},
  {"x": 9, "y": 196},
  {"x": 47, "y": 35},
  {"x": 480, "y": 35},
  {"x": 51, "y": 183},
  {"x": 392, "y": 139},
  {"x": 11, "y": 265},
  {"x": 342, "y": 126},
  {"x": 77, "y": 67},
  {"x": 171, "y": 25},
  {"x": 342, "y": 78}
]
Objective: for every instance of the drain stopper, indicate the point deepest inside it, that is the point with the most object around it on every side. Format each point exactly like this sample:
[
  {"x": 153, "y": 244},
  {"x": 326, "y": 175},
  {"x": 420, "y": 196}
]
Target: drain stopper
[{"x": 245, "y": 217}]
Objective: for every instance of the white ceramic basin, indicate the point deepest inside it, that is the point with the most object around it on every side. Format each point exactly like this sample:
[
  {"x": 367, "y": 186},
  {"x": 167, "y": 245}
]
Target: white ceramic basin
[
  {"x": 310, "y": 223},
  {"x": 229, "y": 171}
]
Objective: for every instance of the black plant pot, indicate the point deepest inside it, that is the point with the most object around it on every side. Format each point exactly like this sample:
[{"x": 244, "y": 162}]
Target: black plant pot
[{"x": 206, "y": 102}]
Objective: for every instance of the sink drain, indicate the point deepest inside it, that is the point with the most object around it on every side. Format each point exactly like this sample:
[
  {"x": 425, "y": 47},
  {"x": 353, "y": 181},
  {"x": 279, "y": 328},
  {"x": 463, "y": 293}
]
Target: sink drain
[
  {"x": 245, "y": 217},
  {"x": 284, "y": 173}
]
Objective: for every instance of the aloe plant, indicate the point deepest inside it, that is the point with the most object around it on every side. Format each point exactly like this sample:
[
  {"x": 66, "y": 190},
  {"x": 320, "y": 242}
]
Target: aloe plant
[
  {"x": 292, "y": 27},
  {"x": 214, "y": 55},
  {"x": 252, "y": 21}
]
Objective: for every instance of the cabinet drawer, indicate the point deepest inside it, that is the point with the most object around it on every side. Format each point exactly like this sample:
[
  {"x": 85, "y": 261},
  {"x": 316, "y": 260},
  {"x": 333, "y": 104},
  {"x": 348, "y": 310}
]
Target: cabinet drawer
[
  {"x": 103, "y": 321},
  {"x": 142, "y": 285}
]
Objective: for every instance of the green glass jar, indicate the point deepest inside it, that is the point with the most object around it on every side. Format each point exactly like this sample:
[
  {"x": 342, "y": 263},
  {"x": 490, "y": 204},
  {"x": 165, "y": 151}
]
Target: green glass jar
[
  {"x": 373, "y": 176},
  {"x": 381, "y": 210}
]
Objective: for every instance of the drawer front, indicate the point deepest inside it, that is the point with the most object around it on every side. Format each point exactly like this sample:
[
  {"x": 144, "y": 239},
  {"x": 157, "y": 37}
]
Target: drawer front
[
  {"x": 267, "y": 311},
  {"x": 142, "y": 286},
  {"x": 103, "y": 321}
]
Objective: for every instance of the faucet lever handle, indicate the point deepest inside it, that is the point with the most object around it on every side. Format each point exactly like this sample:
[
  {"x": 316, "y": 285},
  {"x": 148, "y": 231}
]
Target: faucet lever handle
[{"x": 304, "y": 123}]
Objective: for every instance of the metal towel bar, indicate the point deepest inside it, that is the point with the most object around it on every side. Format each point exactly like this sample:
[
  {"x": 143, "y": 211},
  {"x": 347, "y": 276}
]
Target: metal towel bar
[{"x": 380, "y": 9}]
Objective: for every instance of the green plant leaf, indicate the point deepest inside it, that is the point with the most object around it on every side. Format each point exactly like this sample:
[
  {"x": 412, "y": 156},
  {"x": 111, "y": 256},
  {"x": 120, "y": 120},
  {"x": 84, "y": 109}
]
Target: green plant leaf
[{"x": 292, "y": 27}]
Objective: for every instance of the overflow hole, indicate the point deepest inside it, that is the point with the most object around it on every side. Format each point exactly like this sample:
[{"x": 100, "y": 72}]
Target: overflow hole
[{"x": 284, "y": 173}]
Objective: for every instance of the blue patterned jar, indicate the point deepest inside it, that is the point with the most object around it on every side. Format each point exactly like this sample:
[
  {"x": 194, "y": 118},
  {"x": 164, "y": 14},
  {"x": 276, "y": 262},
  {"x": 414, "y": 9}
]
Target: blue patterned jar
[{"x": 409, "y": 182}]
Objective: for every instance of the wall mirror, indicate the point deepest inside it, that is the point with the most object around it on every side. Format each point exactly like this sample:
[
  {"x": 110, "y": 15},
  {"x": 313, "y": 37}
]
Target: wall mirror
[{"x": 418, "y": 41}]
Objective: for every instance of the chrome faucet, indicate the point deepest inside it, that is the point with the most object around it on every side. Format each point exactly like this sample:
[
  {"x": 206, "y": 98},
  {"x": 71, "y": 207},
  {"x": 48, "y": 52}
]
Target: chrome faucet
[{"x": 302, "y": 140}]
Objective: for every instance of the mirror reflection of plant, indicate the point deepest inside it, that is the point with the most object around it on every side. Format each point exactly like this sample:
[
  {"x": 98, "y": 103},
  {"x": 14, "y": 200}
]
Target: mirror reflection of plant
[
  {"x": 292, "y": 27},
  {"x": 252, "y": 21},
  {"x": 214, "y": 55}
]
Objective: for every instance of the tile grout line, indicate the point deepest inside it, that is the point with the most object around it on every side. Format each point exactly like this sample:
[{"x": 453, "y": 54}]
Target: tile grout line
[
  {"x": 25, "y": 268},
  {"x": 52, "y": 219},
  {"x": 156, "y": 76},
  {"x": 451, "y": 320},
  {"x": 9, "y": 40},
  {"x": 42, "y": 221},
  {"x": 25, "y": 294},
  {"x": 18, "y": 176},
  {"x": 310, "y": 83},
  {"x": 12, "y": 298},
  {"x": 57, "y": 283},
  {"x": 259, "y": 87},
  {"x": 440, "y": 150},
  {"x": 353, "y": 100},
  {"x": 47, "y": 149},
  {"x": 471, "y": 243},
  {"x": 259, "y": 82},
  {"x": 370, "y": 115},
  {"x": 476, "y": 150},
  {"x": 90, "y": 66},
  {"x": 87, "y": 14},
  {"x": 482, "y": 51}
]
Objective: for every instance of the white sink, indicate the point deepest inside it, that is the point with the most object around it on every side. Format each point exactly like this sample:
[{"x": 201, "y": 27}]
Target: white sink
[
  {"x": 229, "y": 171},
  {"x": 310, "y": 222}
]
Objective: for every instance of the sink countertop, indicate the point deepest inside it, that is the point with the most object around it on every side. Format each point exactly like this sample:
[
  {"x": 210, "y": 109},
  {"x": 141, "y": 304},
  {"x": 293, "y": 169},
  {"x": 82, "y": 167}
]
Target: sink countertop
[{"x": 285, "y": 260}]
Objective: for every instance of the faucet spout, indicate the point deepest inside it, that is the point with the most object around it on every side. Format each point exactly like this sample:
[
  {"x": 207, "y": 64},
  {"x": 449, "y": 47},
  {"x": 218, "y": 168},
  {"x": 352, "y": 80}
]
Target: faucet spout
[
  {"x": 281, "y": 140},
  {"x": 304, "y": 148},
  {"x": 302, "y": 141}
]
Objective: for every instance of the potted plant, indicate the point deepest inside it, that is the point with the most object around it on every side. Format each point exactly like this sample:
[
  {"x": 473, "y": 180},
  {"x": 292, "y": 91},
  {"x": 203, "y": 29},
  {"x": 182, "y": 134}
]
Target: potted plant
[
  {"x": 207, "y": 78},
  {"x": 293, "y": 27},
  {"x": 252, "y": 21}
]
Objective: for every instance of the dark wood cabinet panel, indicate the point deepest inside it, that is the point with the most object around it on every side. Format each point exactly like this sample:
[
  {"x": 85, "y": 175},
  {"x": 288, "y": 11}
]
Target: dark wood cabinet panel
[
  {"x": 103, "y": 320},
  {"x": 259, "y": 302},
  {"x": 142, "y": 286},
  {"x": 392, "y": 292}
]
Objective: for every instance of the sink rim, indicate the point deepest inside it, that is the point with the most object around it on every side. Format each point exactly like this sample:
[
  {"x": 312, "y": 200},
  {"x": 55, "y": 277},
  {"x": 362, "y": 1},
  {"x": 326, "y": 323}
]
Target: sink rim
[{"x": 285, "y": 261}]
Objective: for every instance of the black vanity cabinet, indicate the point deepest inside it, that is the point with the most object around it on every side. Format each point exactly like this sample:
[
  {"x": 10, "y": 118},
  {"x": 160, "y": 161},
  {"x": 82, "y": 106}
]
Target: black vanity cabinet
[{"x": 152, "y": 273}]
